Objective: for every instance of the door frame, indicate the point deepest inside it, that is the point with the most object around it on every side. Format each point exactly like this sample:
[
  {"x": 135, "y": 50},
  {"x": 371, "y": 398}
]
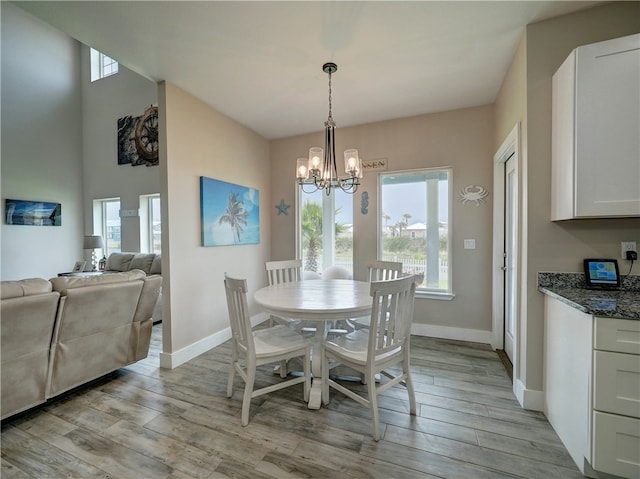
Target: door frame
[{"x": 510, "y": 147}]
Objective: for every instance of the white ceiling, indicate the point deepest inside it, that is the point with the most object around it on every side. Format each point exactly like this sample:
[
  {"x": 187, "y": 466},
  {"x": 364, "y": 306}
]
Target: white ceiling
[{"x": 260, "y": 62}]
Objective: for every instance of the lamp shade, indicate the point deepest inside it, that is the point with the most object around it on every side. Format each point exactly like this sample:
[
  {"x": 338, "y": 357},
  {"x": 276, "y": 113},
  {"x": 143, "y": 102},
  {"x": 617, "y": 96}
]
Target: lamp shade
[{"x": 93, "y": 242}]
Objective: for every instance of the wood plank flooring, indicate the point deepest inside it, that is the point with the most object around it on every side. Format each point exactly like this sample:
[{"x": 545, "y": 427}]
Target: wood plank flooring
[{"x": 144, "y": 422}]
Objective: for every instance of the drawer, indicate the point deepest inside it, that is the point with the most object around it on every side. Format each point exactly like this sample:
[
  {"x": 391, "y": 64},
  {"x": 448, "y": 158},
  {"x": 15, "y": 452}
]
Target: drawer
[
  {"x": 618, "y": 335},
  {"x": 617, "y": 383},
  {"x": 616, "y": 445}
]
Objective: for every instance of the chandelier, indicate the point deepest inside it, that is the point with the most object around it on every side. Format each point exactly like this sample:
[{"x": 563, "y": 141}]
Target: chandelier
[{"x": 319, "y": 171}]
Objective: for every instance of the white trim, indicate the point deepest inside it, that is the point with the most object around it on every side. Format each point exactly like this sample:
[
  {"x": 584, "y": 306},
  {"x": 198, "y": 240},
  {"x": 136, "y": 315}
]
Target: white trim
[
  {"x": 425, "y": 294},
  {"x": 448, "y": 332},
  {"x": 175, "y": 359},
  {"x": 509, "y": 148},
  {"x": 528, "y": 398}
]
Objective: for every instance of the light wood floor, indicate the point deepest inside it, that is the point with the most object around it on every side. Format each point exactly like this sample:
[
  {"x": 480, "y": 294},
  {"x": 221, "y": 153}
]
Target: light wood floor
[{"x": 144, "y": 422}]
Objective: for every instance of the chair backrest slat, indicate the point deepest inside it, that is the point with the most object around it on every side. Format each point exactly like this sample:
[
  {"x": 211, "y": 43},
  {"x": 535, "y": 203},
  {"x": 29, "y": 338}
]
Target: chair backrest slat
[
  {"x": 391, "y": 315},
  {"x": 236, "y": 291},
  {"x": 384, "y": 270},
  {"x": 285, "y": 271}
]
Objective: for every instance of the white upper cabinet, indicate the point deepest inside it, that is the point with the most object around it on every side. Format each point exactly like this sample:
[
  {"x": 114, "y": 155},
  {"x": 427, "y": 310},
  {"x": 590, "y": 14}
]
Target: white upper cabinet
[{"x": 595, "y": 171}]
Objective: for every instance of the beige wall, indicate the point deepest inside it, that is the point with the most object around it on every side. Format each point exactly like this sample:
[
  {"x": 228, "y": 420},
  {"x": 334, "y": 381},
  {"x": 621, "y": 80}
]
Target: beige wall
[
  {"x": 462, "y": 139},
  {"x": 103, "y": 103},
  {"x": 41, "y": 143},
  {"x": 197, "y": 141},
  {"x": 559, "y": 246}
]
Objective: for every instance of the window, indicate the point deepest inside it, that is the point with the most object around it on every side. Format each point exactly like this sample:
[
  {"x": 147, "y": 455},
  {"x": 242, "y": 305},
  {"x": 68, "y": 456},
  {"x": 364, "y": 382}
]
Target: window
[
  {"x": 150, "y": 224},
  {"x": 106, "y": 222},
  {"x": 414, "y": 226},
  {"x": 325, "y": 229},
  {"x": 102, "y": 66}
]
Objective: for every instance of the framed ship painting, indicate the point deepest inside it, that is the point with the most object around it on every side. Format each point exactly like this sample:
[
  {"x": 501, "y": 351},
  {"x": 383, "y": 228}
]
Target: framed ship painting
[
  {"x": 230, "y": 213},
  {"x": 33, "y": 213}
]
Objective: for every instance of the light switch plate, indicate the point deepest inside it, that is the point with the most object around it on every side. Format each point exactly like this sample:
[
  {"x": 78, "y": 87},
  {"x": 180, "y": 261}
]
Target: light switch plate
[{"x": 469, "y": 244}]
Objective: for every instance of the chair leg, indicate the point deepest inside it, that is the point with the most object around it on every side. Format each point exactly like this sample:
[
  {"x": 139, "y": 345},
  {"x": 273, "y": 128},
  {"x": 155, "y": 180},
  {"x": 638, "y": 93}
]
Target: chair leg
[
  {"x": 409, "y": 383},
  {"x": 307, "y": 374},
  {"x": 230, "y": 380},
  {"x": 248, "y": 390},
  {"x": 373, "y": 404},
  {"x": 232, "y": 371}
]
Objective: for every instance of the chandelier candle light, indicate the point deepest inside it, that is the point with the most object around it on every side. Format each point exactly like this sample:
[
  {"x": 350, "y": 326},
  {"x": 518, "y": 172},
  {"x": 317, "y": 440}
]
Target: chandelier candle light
[{"x": 320, "y": 170}]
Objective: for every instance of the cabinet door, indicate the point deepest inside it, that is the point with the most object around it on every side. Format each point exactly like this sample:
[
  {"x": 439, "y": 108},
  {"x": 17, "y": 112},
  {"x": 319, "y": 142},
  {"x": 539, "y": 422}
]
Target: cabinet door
[
  {"x": 616, "y": 445},
  {"x": 617, "y": 335},
  {"x": 616, "y": 383},
  {"x": 607, "y": 119}
]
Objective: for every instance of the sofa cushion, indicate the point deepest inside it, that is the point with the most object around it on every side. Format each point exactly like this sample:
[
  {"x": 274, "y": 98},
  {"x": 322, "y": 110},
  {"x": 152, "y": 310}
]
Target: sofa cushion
[
  {"x": 156, "y": 266},
  {"x": 119, "y": 261},
  {"x": 142, "y": 261},
  {"x": 63, "y": 283},
  {"x": 24, "y": 287}
]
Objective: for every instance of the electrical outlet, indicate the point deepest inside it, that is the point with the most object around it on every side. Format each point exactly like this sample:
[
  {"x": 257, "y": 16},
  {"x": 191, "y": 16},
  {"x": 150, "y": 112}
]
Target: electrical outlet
[{"x": 627, "y": 246}]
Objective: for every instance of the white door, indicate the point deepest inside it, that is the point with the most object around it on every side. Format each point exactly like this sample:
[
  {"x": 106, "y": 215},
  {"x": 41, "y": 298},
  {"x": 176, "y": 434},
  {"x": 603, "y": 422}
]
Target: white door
[{"x": 510, "y": 254}]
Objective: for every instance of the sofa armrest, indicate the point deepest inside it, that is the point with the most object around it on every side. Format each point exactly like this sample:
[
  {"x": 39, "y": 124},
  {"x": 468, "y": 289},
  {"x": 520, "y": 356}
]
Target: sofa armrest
[{"x": 142, "y": 322}]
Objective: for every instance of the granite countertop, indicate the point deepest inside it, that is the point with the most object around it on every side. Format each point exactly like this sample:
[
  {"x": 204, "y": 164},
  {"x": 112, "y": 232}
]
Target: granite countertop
[{"x": 569, "y": 288}]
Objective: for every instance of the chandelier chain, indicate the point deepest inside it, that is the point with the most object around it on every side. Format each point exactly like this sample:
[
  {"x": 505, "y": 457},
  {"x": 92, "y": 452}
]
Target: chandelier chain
[{"x": 330, "y": 114}]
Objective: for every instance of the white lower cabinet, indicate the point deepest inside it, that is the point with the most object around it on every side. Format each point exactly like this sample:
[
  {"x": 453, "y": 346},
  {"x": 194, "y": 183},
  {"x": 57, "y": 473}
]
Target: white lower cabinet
[
  {"x": 616, "y": 445},
  {"x": 616, "y": 383},
  {"x": 616, "y": 397},
  {"x": 592, "y": 389}
]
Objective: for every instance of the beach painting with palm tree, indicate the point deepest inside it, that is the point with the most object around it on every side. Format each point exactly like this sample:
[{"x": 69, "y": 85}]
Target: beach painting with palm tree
[{"x": 230, "y": 213}]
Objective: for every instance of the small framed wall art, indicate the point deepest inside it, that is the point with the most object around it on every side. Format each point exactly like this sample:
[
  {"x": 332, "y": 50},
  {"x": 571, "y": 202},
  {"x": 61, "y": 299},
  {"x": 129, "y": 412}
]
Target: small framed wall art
[{"x": 33, "y": 213}]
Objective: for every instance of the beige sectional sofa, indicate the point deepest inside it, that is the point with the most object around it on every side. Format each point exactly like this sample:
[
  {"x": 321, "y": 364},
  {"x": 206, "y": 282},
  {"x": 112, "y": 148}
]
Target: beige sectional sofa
[
  {"x": 123, "y": 261},
  {"x": 62, "y": 333},
  {"x": 150, "y": 263}
]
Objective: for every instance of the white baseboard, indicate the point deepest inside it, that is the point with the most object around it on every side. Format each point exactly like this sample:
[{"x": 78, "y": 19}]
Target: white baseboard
[
  {"x": 175, "y": 359},
  {"x": 528, "y": 398},
  {"x": 448, "y": 332}
]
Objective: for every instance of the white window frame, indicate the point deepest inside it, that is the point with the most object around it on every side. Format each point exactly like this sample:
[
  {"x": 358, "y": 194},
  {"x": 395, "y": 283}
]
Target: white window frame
[
  {"x": 100, "y": 222},
  {"x": 424, "y": 292},
  {"x": 147, "y": 220},
  {"x": 102, "y": 66},
  {"x": 328, "y": 257}
]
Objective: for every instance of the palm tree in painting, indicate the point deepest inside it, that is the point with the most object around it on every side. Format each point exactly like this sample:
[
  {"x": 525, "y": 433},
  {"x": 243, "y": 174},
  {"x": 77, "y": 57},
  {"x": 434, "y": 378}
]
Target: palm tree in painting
[{"x": 235, "y": 215}]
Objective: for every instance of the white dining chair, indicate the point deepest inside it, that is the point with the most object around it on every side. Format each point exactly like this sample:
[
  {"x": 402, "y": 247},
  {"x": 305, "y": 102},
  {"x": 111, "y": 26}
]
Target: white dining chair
[
  {"x": 278, "y": 272},
  {"x": 340, "y": 326},
  {"x": 373, "y": 351},
  {"x": 384, "y": 270},
  {"x": 260, "y": 347},
  {"x": 378, "y": 271},
  {"x": 336, "y": 272},
  {"x": 284, "y": 271}
]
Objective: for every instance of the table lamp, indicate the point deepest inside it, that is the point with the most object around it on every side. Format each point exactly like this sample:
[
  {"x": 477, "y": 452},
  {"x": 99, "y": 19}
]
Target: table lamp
[{"x": 93, "y": 242}]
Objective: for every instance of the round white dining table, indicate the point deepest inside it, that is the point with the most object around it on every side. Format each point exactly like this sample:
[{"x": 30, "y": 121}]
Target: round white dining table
[{"x": 319, "y": 301}]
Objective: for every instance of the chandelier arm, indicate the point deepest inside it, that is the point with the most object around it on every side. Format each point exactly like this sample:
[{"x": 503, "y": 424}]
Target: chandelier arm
[{"x": 302, "y": 185}]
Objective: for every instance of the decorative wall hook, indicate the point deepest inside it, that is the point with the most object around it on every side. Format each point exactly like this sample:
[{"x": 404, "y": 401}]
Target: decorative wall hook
[{"x": 364, "y": 203}]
